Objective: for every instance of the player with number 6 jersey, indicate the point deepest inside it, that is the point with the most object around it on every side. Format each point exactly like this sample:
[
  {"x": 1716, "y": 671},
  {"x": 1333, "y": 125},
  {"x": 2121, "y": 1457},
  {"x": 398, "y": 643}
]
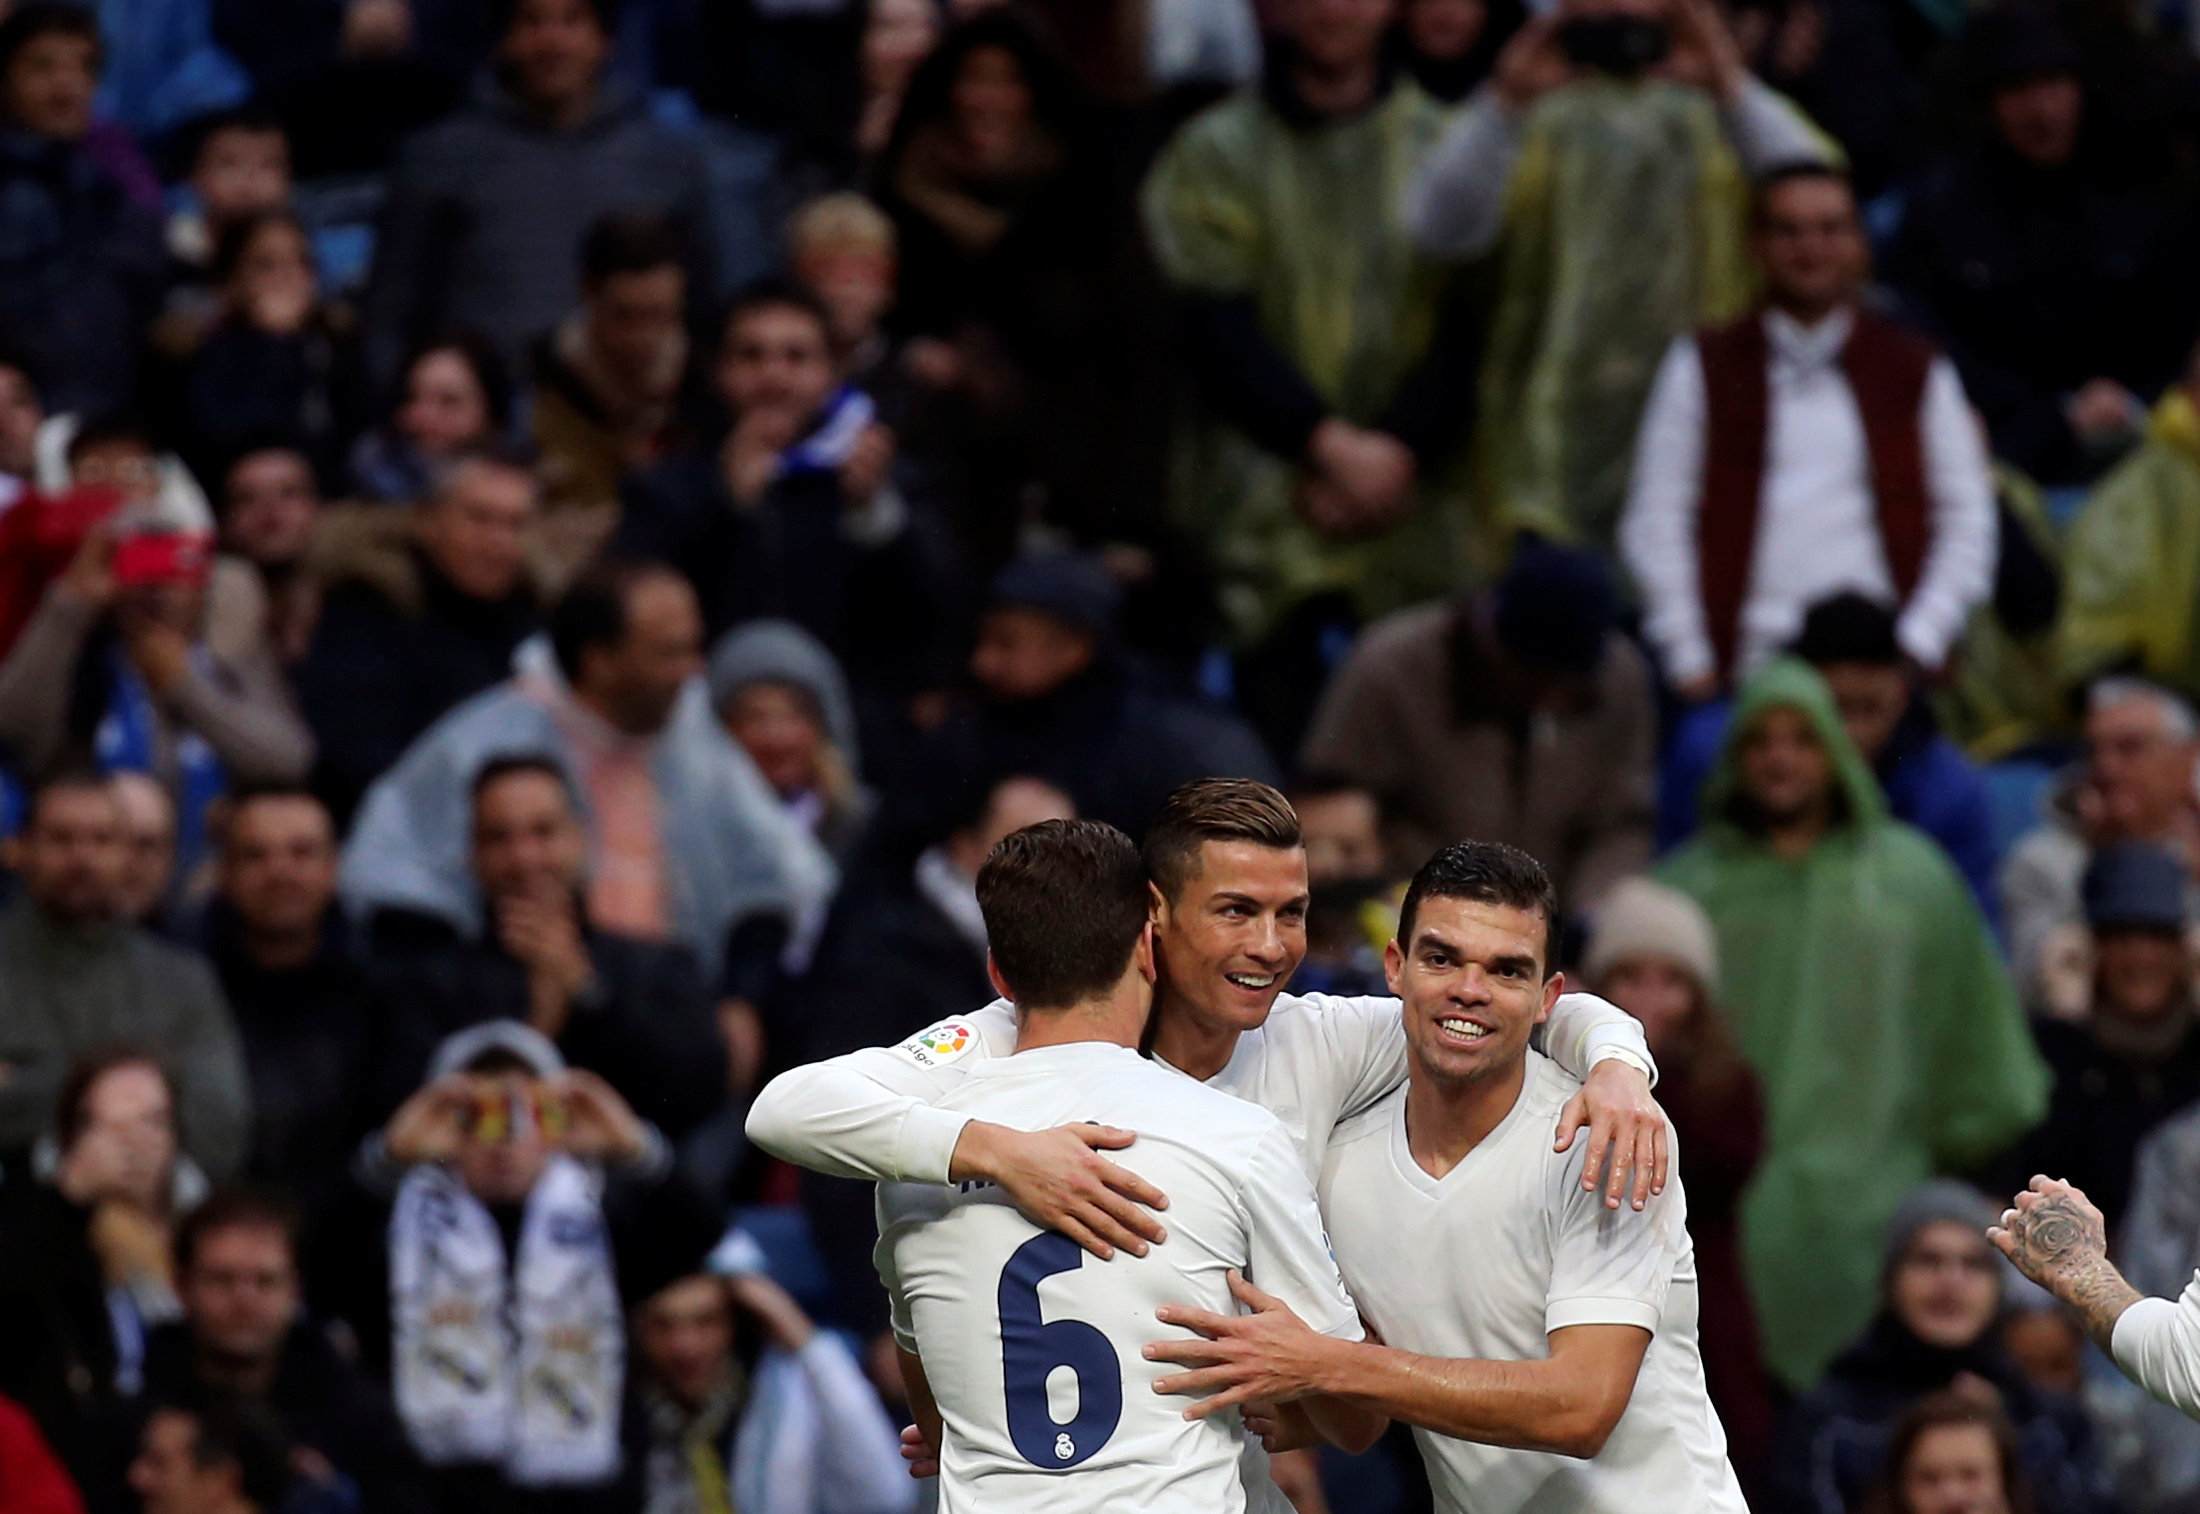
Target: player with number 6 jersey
[
  {"x": 1024, "y": 1354},
  {"x": 999, "y": 1309}
]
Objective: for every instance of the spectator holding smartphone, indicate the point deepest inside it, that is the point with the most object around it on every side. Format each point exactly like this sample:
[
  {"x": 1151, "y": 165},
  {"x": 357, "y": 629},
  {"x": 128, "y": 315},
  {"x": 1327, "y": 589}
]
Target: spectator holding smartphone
[
  {"x": 528, "y": 1209},
  {"x": 131, "y": 662}
]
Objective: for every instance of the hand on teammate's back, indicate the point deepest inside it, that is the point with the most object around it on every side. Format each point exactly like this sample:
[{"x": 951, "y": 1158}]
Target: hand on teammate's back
[{"x": 1060, "y": 1181}]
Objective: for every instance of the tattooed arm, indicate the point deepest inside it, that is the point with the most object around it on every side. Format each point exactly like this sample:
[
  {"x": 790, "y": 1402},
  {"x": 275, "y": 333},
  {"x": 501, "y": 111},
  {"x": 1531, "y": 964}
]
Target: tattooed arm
[{"x": 2059, "y": 1240}]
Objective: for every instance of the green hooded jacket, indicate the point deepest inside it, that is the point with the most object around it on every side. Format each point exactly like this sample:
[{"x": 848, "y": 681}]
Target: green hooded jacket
[{"x": 1866, "y": 990}]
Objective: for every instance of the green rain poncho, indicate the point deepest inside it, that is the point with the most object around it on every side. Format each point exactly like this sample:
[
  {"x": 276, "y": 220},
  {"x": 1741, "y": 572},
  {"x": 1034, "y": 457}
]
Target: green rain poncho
[
  {"x": 1624, "y": 228},
  {"x": 1304, "y": 220},
  {"x": 2132, "y": 588},
  {"x": 1866, "y": 991}
]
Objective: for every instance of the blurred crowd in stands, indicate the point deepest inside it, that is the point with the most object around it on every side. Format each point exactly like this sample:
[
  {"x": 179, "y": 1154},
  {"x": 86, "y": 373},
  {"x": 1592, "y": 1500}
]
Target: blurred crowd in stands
[{"x": 543, "y": 541}]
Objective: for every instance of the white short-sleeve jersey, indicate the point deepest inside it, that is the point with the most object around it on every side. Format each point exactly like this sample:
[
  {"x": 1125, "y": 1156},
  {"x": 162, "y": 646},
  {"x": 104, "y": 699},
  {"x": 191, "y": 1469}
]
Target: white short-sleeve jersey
[
  {"x": 1486, "y": 1261},
  {"x": 1033, "y": 1348}
]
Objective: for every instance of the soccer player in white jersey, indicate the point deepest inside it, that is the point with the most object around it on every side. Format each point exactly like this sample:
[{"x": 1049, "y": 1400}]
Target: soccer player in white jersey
[
  {"x": 1023, "y": 1351},
  {"x": 1228, "y": 872},
  {"x": 1542, "y": 1344}
]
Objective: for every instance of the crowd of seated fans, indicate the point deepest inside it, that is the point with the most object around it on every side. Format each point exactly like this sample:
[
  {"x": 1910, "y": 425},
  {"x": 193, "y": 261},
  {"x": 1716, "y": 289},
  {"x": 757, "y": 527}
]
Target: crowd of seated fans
[{"x": 542, "y": 543}]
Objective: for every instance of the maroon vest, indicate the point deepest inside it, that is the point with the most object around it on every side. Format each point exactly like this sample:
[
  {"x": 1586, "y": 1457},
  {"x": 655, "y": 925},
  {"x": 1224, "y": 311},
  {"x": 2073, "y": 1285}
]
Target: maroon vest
[{"x": 1886, "y": 368}]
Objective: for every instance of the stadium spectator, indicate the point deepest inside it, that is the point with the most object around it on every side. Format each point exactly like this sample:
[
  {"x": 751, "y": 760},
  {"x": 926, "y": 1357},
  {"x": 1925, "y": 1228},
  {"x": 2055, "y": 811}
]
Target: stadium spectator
[
  {"x": 610, "y": 381},
  {"x": 216, "y": 1460},
  {"x": 277, "y": 359},
  {"x": 138, "y": 659},
  {"x": 1004, "y": 199},
  {"x": 1060, "y": 698},
  {"x": 2136, "y": 784},
  {"x": 1853, "y": 642},
  {"x": 685, "y": 840},
  {"x": 1450, "y": 46},
  {"x": 1940, "y": 1295},
  {"x": 84, "y": 1253},
  {"x": 1617, "y": 215},
  {"x": 634, "y": 1011},
  {"x": 490, "y": 1171},
  {"x": 421, "y": 611},
  {"x": 798, "y": 513},
  {"x": 1656, "y": 955},
  {"x": 843, "y": 249},
  {"x": 74, "y": 978},
  {"x": 1810, "y": 448},
  {"x": 488, "y": 209},
  {"x": 750, "y": 1402},
  {"x": 1351, "y": 909},
  {"x": 2132, "y": 574},
  {"x": 1316, "y": 473},
  {"x": 80, "y": 263},
  {"x": 783, "y": 697},
  {"x": 244, "y": 1339},
  {"x": 1953, "y": 1454},
  {"x": 22, "y": 412},
  {"x": 240, "y": 170},
  {"x": 145, "y": 886},
  {"x": 2133, "y": 1059},
  {"x": 1519, "y": 714},
  {"x": 271, "y": 507},
  {"x": 308, "y": 1011},
  {"x": 898, "y": 35},
  {"x": 2045, "y": 270},
  {"x": 1865, "y": 991},
  {"x": 455, "y": 399}
]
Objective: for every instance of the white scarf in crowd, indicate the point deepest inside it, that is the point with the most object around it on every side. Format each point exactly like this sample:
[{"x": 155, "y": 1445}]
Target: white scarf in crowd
[{"x": 517, "y": 1366}]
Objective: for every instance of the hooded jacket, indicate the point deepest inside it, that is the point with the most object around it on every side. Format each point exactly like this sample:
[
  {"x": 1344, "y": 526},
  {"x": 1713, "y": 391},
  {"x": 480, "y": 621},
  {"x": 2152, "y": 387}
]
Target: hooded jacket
[{"x": 1865, "y": 988}]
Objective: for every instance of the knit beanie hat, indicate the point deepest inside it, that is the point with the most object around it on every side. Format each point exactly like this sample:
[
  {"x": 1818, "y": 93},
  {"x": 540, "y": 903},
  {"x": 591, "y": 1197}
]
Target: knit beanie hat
[
  {"x": 1930, "y": 1202},
  {"x": 1642, "y": 918}
]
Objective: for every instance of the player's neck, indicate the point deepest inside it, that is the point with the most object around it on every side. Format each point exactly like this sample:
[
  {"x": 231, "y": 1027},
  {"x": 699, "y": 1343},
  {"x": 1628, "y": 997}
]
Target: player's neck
[
  {"x": 1196, "y": 1048},
  {"x": 1447, "y": 1120},
  {"x": 1115, "y": 1018}
]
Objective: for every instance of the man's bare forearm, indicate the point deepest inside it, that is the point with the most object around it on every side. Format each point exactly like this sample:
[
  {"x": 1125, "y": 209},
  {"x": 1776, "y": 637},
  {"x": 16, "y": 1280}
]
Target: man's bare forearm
[{"x": 1531, "y": 1406}]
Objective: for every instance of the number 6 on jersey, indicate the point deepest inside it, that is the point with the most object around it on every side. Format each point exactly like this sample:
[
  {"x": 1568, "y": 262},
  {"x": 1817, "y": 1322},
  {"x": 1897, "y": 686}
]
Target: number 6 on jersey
[{"x": 1033, "y": 1350}]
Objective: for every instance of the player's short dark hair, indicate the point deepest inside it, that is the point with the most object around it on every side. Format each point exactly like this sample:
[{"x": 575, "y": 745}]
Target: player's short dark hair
[
  {"x": 1484, "y": 872},
  {"x": 1214, "y": 809},
  {"x": 240, "y": 1207},
  {"x": 1064, "y": 904},
  {"x": 629, "y": 243},
  {"x": 1780, "y": 175}
]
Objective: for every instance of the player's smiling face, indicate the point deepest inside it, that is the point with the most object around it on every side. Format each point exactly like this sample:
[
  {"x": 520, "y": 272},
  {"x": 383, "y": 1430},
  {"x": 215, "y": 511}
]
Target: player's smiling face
[
  {"x": 1473, "y": 985},
  {"x": 1234, "y": 934}
]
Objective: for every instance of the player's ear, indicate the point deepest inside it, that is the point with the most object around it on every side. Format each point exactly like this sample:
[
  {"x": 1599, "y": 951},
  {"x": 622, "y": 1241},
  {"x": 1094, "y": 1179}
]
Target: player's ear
[
  {"x": 1394, "y": 966},
  {"x": 993, "y": 976},
  {"x": 1553, "y": 986},
  {"x": 1157, "y": 903},
  {"x": 1144, "y": 955}
]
